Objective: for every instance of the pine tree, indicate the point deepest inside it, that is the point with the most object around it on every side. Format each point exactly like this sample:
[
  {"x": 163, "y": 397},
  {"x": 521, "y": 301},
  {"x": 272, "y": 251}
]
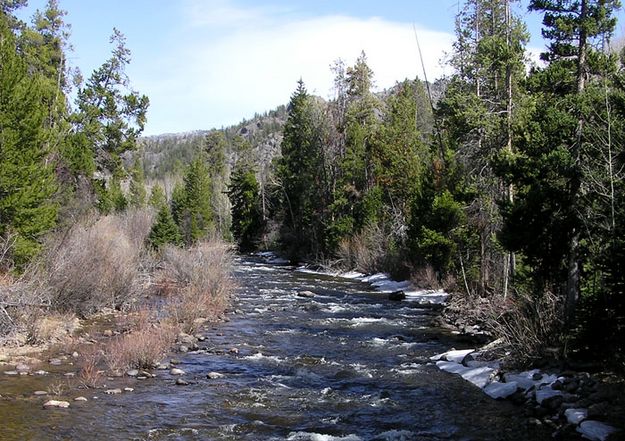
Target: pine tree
[
  {"x": 110, "y": 117},
  {"x": 26, "y": 180},
  {"x": 247, "y": 220},
  {"x": 544, "y": 220},
  {"x": 138, "y": 194},
  {"x": 164, "y": 231},
  {"x": 356, "y": 202},
  {"x": 299, "y": 172},
  {"x": 157, "y": 197},
  {"x": 191, "y": 203}
]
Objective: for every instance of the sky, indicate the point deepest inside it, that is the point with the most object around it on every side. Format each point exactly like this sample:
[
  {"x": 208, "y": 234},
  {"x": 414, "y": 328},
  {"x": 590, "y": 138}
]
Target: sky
[{"x": 211, "y": 63}]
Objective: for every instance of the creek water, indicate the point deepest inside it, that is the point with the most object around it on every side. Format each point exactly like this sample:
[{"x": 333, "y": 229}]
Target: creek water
[{"x": 346, "y": 364}]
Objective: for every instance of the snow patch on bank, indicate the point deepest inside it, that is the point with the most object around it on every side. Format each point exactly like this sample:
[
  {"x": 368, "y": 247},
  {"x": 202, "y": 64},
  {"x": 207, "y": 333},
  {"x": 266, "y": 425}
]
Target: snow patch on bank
[
  {"x": 383, "y": 283},
  {"x": 533, "y": 384}
]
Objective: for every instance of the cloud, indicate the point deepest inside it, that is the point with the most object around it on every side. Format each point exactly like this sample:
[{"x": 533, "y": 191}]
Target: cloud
[{"x": 253, "y": 62}]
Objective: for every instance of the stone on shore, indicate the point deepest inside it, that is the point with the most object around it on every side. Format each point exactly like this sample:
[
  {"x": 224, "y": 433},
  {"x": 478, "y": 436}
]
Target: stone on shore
[
  {"x": 56, "y": 403},
  {"x": 113, "y": 391},
  {"x": 500, "y": 391},
  {"x": 452, "y": 367},
  {"x": 595, "y": 430},
  {"x": 480, "y": 376},
  {"x": 80, "y": 399},
  {"x": 546, "y": 394},
  {"x": 575, "y": 416}
]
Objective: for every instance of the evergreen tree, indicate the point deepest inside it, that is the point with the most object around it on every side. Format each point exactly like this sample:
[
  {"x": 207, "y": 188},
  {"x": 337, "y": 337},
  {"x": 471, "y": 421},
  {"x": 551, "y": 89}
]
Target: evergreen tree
[
  {"x": 110, "y": 117},
  {"x": 215, "y": 146},
  {"x": 26, "y": 180},
  {"x": 164, "y": 231},
  {"x": 247, "y": 220},
  {"x": 116, "y": 195},
  {"x": 299, "y": 173},
  {"x": 478, "y": 114},
  {"x": 191, "y": 203},
  {"x": 138, "y": 194},
  {"x": 544, "y": 221},
  {"x": 157, "y": 197}
]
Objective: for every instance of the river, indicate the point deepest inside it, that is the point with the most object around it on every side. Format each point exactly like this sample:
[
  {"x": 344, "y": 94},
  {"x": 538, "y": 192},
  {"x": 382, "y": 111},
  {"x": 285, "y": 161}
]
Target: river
[{"x": 346, "y": 364}]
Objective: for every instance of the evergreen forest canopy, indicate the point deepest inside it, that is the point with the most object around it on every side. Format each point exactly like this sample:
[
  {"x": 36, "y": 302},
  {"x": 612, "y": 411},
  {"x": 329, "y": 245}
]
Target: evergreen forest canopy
[{"x": 501, "y": 184}]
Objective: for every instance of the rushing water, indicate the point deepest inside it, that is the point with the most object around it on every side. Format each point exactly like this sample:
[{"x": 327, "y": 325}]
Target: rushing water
[{"x": 345, "y": 365}]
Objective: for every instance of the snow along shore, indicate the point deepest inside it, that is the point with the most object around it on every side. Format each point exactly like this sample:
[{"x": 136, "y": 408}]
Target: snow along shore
[
  {"x": 383, "y": 283},
  {"x": 550, "y": 392}
]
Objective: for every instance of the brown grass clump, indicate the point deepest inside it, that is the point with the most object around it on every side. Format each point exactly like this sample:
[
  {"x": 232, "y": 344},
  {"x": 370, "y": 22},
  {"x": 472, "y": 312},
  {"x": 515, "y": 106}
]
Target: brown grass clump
[
  {"x": 202, "y": 277},
  {"x": 90, "y": 374},
  {"x": 51, "y": 327},
  {"x": 141, "y": 349}
]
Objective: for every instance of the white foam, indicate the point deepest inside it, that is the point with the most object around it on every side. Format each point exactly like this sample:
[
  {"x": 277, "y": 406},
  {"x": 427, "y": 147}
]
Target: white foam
[
  {"x": 259, "y": 356},
  {"x": 311, "y": 436},
  {"x": 396, "y": 435}
]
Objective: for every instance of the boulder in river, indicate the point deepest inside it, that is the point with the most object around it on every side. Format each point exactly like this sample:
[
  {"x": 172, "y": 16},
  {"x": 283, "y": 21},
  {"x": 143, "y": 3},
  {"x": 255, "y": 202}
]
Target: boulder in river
[
  {"x": 307, "y": 294},
  {"x": 214, "y": 375},
  {"x": 176, "y": 371},
  {"x": 397, "y": 295}
]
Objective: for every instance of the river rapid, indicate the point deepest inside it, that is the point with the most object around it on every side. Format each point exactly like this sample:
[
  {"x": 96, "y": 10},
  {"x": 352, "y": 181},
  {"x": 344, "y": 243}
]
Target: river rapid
[{"x": 346, "y": 364}]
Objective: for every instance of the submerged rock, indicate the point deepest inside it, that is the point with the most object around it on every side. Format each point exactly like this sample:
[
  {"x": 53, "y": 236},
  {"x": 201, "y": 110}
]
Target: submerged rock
[
  {"x": 181, "y": 382},
  {"x": 176, "y": 371},
  {"x": 214, "y": 375}
]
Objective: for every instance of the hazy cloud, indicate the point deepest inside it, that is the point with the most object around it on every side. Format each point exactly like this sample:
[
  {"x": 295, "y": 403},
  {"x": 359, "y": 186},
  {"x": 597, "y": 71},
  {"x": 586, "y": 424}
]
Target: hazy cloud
[{"x": 253, "y": 62}]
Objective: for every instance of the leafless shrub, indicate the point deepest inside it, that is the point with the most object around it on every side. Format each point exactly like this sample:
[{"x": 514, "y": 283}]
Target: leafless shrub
[
  {"x": 368, "y": 251},
  {"x": 201, "y": 275},
  {"x": 530, "y": 327},
  {"x": 141, "y": 349},
  {"x": 425, "y": 277},
  {"x": 95, "y": 266}
]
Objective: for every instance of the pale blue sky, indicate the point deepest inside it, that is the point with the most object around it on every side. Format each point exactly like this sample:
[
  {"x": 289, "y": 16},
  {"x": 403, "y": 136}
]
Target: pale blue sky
[{"x": 211, "y": 63}]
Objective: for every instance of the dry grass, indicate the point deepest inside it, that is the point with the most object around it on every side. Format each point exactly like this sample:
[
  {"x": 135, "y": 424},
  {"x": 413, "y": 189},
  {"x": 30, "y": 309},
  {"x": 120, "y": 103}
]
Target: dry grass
[
  {"x": 202, "y": 277},
  {"x": 53, "y": 327},
  {"x": 141, "y": 349}
]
